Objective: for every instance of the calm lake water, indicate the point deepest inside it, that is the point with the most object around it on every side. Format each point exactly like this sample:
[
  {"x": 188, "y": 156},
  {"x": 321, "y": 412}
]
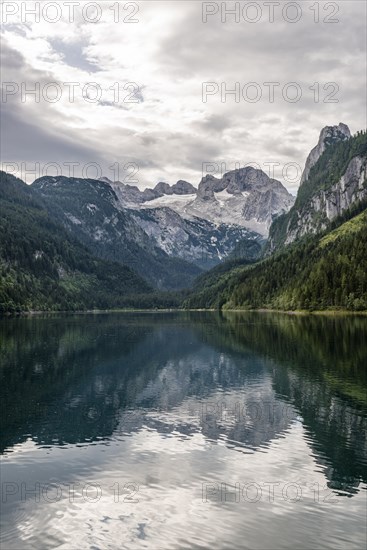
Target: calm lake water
[{"x": 183, "y": 430}]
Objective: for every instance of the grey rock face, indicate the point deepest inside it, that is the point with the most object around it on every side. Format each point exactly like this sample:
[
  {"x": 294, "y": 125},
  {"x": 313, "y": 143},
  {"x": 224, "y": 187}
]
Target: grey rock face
[
  {"x": 162, "y": 188},
  {"x": 183, "y": 187},
  {"x": 328, "y": 135},
  {"x": 129, "y": 194},
  {"x": 207, "y": 186},
  {"x": 246, "y": 197},
  {"x": 335, "y": 183},
  {"x": 195, "y": 240},
  {"x": 148, "y": 195},
  {"x": 325, "y": 206}
]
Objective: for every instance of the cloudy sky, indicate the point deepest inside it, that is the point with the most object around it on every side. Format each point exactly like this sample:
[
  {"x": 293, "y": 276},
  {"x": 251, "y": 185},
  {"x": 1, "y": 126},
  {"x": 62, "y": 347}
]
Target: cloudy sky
[{"x": 145, "y": 118}]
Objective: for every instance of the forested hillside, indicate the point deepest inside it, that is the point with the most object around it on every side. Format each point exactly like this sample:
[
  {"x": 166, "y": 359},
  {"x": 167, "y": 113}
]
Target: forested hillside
[
  {"x": 43, "y": 268},
  {"x": 324, "y": 272}
]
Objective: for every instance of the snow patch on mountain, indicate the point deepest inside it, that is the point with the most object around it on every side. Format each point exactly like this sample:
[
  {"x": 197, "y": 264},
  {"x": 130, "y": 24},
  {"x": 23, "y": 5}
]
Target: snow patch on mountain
[{"x": 176, "y": 202}]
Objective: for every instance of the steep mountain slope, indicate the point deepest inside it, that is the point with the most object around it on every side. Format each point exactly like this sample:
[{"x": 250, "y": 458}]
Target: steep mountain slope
[
  {"x": 43, "y": 267},
  {"x": 90, "y": 210},
  {"x": 327, "y": 271},
  {"x": 333, "y": 180},
  {"x": 197, "y": 240}
]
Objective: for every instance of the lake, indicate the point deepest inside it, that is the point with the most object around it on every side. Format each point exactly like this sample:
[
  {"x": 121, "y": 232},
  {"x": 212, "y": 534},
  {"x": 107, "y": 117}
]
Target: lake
[{"x": 183, "y": 430}]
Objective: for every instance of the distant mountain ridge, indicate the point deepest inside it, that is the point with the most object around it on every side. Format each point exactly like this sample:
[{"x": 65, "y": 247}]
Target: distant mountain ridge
[
  {"x": 170, "y": 233},
  {"x": 132, "y": 195},
  {"x": 244, "y": 197}
]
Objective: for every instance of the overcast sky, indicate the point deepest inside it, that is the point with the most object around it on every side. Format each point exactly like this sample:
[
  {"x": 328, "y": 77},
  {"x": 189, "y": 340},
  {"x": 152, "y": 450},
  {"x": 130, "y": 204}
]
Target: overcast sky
[{"x": 169, "y": 52}]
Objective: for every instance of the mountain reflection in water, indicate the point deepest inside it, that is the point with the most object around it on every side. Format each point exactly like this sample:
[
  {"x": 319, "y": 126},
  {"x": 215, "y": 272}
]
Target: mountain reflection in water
[{"x": 180, "y": 404}]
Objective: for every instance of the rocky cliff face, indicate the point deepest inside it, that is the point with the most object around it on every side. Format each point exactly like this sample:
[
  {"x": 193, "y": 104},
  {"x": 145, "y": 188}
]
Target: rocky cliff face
[
  {"x": 197, "y": 240},
  {"x": 325, "y": 206},
  {"x": 246, "y": 197},
  {"x": 328, "y": 135},
  {"x": 334, "y": 179}
]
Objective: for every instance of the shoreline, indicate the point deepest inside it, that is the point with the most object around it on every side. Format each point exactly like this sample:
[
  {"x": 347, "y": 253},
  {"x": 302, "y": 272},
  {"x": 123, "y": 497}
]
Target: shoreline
[
  {"x": 334, "y": 312},
  {"x": 323, "y": 312}
]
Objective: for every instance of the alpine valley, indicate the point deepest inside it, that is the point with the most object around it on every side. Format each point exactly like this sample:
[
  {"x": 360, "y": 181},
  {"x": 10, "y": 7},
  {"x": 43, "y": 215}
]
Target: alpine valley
[{"x": 240, "y": 241}]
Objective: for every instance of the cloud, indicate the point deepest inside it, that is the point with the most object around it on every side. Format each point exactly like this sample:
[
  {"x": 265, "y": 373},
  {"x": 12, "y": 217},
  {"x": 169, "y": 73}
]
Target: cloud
[
  {"x": 73, "y": 54},
  {"x": 23, "y": 141},
  {"x": 10, "y": 58},
  {"x": 162, "y": 62}
]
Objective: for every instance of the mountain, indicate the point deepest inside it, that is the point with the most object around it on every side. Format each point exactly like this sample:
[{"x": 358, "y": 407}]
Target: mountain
[
  {"x": 160, "y": 213},
  {"x": 331, "y": 183},
  {"x": 43, "y": 267},
  {"x": 208, "y": 224},
  {"x": 327, "y": 271},
  {"x": 244, "y": 197},
  {"x": 170, "y": 233},
  {"x": 316, "y": 256},
  {"x": 195, "y": 239},
  {"x": 71, "y": 243},
  {"x": 91, "y": 212}
]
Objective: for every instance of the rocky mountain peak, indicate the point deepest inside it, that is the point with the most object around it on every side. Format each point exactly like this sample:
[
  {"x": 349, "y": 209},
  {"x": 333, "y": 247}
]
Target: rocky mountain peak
[
  {"x": 163, "y": 188},
  {"x": 245, "y": 197},
  {"x": 208, "y": 186},
  {"x": 249, "y": 179},
  {"x": 183, "y": 187},
  {"x": 106, "y": 180},
  {"x": 237, "y": 181},
  {"x": 336, "y": 133},
  {"x": 328, "y": 135}
]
